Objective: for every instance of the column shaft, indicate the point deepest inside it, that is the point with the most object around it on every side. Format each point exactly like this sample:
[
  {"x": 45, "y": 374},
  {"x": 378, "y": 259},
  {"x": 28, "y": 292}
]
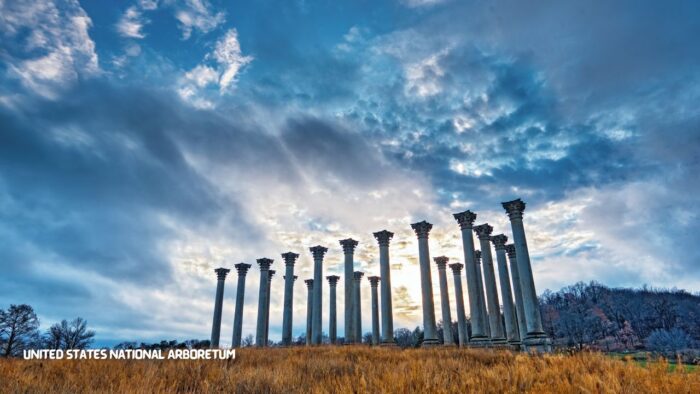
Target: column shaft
[
  {"x": 536, "y": 339},
  {"x": 270, "y": 274},
  {"x": 429, "y": 329},
  {"x": 384, "y": 237},
  {"x": 497, "y": 332},
  {"x": 309, "y": 309},
  {"x": 218, "y": 306},
  {"x": 357, "y": 306},
  {"x": 517, "y": 292},
  {"x": 242, "y": 270},
  {"x": 511, "y": 332},
  {"x": 332, "y": 318},
  {"x": 473, "y": 274},
  {"x": 447, "y": 335},
  {"x": 482, "y": 295},
  {"x": 317, "y": 312},
  {"x": 348, "y": 250},
  {"x": 374, "y": 281},
  {"x": 289, "y": 278},
  {"x": 459, "y": 295},
  {"x": 264, "y": 264}
]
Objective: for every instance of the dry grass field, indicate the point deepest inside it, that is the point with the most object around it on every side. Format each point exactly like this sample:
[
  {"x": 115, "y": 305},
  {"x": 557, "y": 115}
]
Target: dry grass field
[{"x": 353, "y": 370}]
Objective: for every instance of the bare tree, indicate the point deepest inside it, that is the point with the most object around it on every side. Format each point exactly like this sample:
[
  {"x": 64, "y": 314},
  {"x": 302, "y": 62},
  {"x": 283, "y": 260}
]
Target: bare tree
[
  {"x": 70, "y": 335},
  {"x": 19, "y": 329}
]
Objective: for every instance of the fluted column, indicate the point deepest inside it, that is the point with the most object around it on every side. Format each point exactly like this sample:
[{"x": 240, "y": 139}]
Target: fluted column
[
  {"x": 447, "y": 335},
  {"x": 333, "y": 319},
  {"x": 517, "y": 292},
  {"x": 242, "y": 270},
  {"x": 270, "y": 274},
  {"x": 289, "y": 278},
  {"x": 478, "y": 337},
  {"x": 309, "y": 308},
  {"x": 483, "y": 232},
  {"x": 482, "y": 296},
  {"x": 349, "y": 246},
  {"x": 218, "y": 305},
  {"x": 374, "y": 281},
  {"x": 429, "y": 329},
  {"x": 536, "y": 339},
  {"x": 264, "y": 265},
  {"x": 499, "y": 243},
  {"x": 317, "y": 314},
  {"x": 357, "y": 306},
  {"x": 383, "y": 238},
  {"x": 459, "y": 295}
]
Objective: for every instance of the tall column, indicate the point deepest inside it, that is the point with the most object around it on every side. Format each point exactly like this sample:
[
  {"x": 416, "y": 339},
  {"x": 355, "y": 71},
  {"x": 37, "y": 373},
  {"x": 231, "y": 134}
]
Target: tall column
[
  {"x": 333, "y": 319},
  {"x": 242, "y": 270},
  {"x": 459, "y": 294},
  {"x": 466, "y": 221},
  {"x": 309, "y": 308},
  {"x": 357, "y": 306},
  {"x": 483, "y": 232},
  {"x": 447, "y": 335},
  {"x": 383, "y": 238},
  {"x": 289, "y": 278},
  {"x": 426, "y": 283},
  {"x": 517, "y": 292},
  {"x": 348, "y": 250},
  {"x": 482, "y": 296},
  {"x": 499, "y": 243},
  {"x": 218, "y": 305},
  {"x": 536, "y": 339},
  {"x": 374, "y": 282},
  {"x": 270, "y": 274},
  {"x": 264, "y": 265},
  {"x": 316, "y": 319}
]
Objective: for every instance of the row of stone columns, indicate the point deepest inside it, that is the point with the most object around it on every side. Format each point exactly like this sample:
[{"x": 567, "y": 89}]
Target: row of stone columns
[{"x": 523, "y": 325}]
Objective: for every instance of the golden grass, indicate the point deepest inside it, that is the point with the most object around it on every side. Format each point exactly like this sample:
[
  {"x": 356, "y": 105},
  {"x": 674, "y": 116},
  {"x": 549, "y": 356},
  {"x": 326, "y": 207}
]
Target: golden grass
[{"x": 352, "y": 370}]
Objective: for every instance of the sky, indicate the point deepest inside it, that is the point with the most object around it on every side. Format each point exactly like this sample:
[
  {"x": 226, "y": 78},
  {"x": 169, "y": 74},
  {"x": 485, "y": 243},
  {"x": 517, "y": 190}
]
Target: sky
[{"x": 144, "y": 143}]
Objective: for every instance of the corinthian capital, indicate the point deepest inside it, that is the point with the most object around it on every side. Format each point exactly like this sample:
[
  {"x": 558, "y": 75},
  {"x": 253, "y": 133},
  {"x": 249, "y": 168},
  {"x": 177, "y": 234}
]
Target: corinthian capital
[
  {"x": 499, "y": 241},
  {"x": 514, "y": 208},
  {"x": 483, "y": 231},
  {"x": 456, "y": 268},
  {"x": 318, "y": 251},
  {"x": 270, "y": 274},
  {"x": 373, "y": 280},
  {"x": 290, "y": 258},
  {"x": 383, "y": 237},
  {"x": 441, "y": 262},
  {"x": 221, "y": 273},
  {"x": 264, "y": 263},
  {"x": 510, "y": 249},
  {"x": 357, "y": 275},
  {"x": 348, "y": 245},
  {"x": 333, "y": 279},
  {"x": 465, "y": 219},
  {"x": 309, "y": 283},
  {"x": 242, "y": 268},
  {"x": 422, "y": 229}
]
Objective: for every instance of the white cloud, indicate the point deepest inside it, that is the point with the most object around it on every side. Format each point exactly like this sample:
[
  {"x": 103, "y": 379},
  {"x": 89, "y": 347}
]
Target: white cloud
[
  {"x": 228, "y": 61},
  {"x": 421, "y": 3},
  {"x": 197, "y": 15},
  {"x": 131, "y": 23},
  {"x": 57, "y": 49}
]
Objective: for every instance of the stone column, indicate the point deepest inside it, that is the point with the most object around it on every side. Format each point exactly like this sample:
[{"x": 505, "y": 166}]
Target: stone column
[
  {"x": 289, "y": 278},
  {"x": 316, "y": 318},
  {"x": 357, "y": 306},
  {"x": 374, "y": 282},
  {"x": 484, "y": 233},
  {"x": 459, "y": 294},
  {"x": 218, "y": 305},
  {"x": 499, "y": 243},
  {"x": 242, "y": 270},
  {"x": 309, "y": 309},
  {"x": 536, "y": 339},
  {"x": 482, "y": 296},
  {"x": 383, "y": 238},
  {"x": 447, "y": 335},
  {"x": 264, "y": 264},
  {"x": 426, "y": 283},
  {"x": 349, "y": 250},
  {"x": 333, "y": 319},
  {"x": 517, "y": 292},
  {"x": 270, "y": 274},
  {"x": 478, "y": 337}
]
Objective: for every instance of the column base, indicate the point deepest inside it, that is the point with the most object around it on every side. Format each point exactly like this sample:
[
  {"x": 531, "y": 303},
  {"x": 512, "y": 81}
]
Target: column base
[
  {"x": 499, "y": 343},
  {"x": 450, "y": 345},
  {"x": 537, "y": 342},
  {"x": 479, "y": 342},
  {"x": 430, "y": 343},
  {"x": 516, "y": 345},
  {"x": 391, "y": 344}
]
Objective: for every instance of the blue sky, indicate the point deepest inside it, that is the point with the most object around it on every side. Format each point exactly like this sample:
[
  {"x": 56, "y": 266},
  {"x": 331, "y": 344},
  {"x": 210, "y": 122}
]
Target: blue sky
[{"x": 145, "y": 143}]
